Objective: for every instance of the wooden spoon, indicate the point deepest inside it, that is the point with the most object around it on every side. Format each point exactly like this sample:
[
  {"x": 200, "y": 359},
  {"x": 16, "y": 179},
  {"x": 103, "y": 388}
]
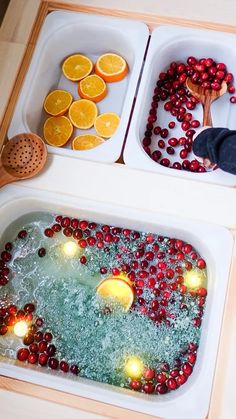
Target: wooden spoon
[
  {"x": 206, "y": 97},
  {"x": 22, "y": 157}
]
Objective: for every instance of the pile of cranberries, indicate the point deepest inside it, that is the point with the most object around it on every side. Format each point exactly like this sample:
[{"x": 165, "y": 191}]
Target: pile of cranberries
[
  {"x": 165, "y": 380},
  {"x": 38, "y": 348},
  {"x": 158, "y": 142},
  {"x": 155, "y": 266}
]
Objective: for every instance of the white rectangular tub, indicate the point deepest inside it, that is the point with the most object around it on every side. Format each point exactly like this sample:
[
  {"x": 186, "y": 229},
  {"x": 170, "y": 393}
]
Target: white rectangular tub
[
  {"x": 192, "y": 399},
  {"x": 168, "y": 44},
  {"x": 68, "y": 33}
]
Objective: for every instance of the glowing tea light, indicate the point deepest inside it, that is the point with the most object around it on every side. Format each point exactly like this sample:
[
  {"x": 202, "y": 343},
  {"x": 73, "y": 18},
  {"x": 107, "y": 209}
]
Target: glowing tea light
[
  {"x": 194, "y": 279},
  {"x": 70, "y": 249},
  {"x": 20, "y": 328},
  {"x": 134, "y": 367}
]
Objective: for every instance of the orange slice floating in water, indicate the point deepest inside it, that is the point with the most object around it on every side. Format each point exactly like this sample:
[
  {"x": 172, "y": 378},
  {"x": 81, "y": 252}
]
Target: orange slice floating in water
[
  {"x": 93, "y": 88},
  {"x": 83, "y": 113},
  {"x": 118, "y": 290},
  {"x": 111, "y": 67},
  {"x": 76, "y": 67},
  {"x": 57, "y": 102},
  {"x": 106, "y": 124},
  {"x": 86, "y": 142},
  {"x": 57, "y": 130}
]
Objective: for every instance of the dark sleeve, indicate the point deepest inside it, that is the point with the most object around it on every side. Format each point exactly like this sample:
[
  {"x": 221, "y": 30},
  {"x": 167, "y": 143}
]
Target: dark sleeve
[{"x": 219, "y": 146}]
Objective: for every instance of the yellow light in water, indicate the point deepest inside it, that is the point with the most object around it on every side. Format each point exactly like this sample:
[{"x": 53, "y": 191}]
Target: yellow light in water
[
  {"x": 194, "y": 279},
  {"x": 21, "y": 328},
  {"x": 134, "y": 367},
  {"x": 70, "y": 249}
]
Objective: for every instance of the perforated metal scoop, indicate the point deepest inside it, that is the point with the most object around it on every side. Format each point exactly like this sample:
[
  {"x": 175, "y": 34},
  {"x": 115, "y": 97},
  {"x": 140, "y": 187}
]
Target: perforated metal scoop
[{"x": 22, "y": 157}]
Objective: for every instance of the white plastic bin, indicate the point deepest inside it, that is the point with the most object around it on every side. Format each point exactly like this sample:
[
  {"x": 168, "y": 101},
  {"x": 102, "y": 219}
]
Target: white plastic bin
[
  {"x": 67, "y": 33},
  {"x": 168, "y": 44},
  {"x": 192, "y": 399}
]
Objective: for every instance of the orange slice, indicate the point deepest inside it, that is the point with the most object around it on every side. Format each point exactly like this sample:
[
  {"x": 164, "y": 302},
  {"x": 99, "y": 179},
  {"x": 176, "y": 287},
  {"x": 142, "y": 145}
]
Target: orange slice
[
  {"x": 76, "y": 67},
  {"x": 118, "y": 290},
  {"x": 57, "y": 102},
  {"x": 93, "y": 88},
  {"x": 86, "y": 142},
  {"x": 83, "y": 113},
  {"x": 57, "y": 130},
  {"x": 111, "y": 67},
  {"x": 106, "y": 124}
]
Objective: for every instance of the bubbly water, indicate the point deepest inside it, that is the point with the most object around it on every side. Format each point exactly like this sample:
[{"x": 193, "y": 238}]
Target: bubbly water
[{"x": 64, "y": 293}]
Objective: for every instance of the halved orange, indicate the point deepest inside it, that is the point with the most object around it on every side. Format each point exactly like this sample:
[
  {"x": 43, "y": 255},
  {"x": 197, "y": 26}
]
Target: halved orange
[
  {"x": 86, "y": 142},
  {"x": 57, "y": 130},
  {"x": 93, "y": 88},
  {"x": 118, "y": 290},
  {"x": 76, "y": 67},
  {"x": 57, "y": 102},
  {"x": 106, "y": 124},
  {"x": 83, "y": 113},
  {"x": 111, "y": 67}
]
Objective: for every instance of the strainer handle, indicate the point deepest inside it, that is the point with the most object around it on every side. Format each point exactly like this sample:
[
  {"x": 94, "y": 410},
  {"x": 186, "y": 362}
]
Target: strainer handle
[{"x": 5, "y": 177}]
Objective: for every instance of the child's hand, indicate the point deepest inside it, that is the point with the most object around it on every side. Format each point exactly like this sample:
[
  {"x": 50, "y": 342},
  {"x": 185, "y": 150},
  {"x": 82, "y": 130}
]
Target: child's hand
[{"x": 207, "y": 164}]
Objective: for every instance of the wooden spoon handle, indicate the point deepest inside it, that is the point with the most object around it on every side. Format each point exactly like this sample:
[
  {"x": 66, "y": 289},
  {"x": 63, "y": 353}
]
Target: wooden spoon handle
[
  {"x": 207, "y": 120},
  {"x": 5, "y": 177}
]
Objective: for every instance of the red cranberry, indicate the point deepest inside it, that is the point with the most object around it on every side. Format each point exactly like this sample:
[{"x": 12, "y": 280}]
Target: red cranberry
[
  {"x": 68, "y": 231},
  {"x": 83, "y": 260},
  {"x": 181, "y": 379},
  {"x": 56, "y": 227},
  {"x": 22, "y": 234},
  {"x": 177, "y": 165},
  {"x": 38, "y": 336},
  {"x": 48, "y": 232},
  {"x": 170, "y": 150},
  {"x": 171, "y": 124},
  {"x": 74, "y": 369},
  {"x": 157, "y": 130},
  {"x": 3, "y": 329},
  {"x": 22, "y": 354},
  {"x": 135, "y": 385},
  {"x": 173, "y": 142},
  {"x": 171, "y": 384},
  {"x": 53, "y": 363},
  {"x": 202, "y": 292},
  {"x": 33, "y": 347},
  {"x": 51, "y": 350},
  {"x": 149, "y": 374},
  {"x": 233, "y": 99},
  {"x": 161, "y": 388},
  {"x": 221, "y": 66},
  {"x": 229, "y": 78},
  {"x": 183, "y": 153},
  {"x": 192, "y": 358},
  {"x": 42, "y": 346},
  {"x": 43, "y": 359},
  {"x": 6, "y": 256},
  {"x": 195, "y": 123},
  {"x": 194, "y": 165},
  {"x": 164, "y": 132},
  {"x": 197, "y": 322},
  {"x": 48, "y": 336},
  {"x": 58, "y": 218},
  {"x": 33, "y": 358},
  {"x": 82, "y": 243},
  {"x": 201, "y": 264},
  {"x": 65, "y": 222},
  {"x": 187, "y": 369},
  {"x": 8, "y": 247},
  {"x": 161, "y": 144},
  {"x": 148, "y": 388},
  {"x": 42, "y": 252},
  {"x": 156, "y": 155},
  {"x": 165, "y": 162},
  {"x": 29, "y": 308},
  {"x": 64, "y": 366},
  {"x": 10, "y": 320}
]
